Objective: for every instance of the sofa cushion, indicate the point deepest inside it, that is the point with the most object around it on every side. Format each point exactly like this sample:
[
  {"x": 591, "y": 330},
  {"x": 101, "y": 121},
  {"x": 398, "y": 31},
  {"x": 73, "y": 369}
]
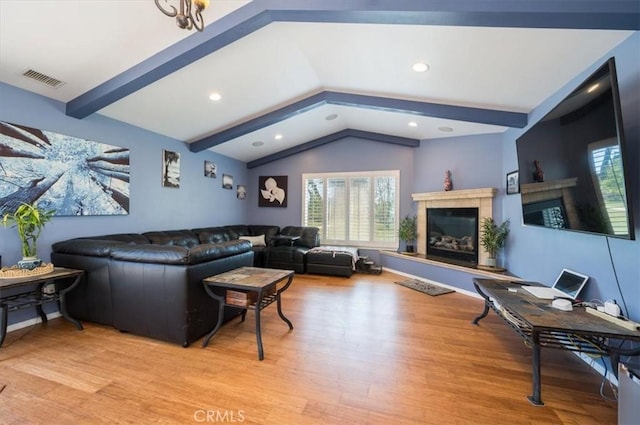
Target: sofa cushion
[
  {"x": 151, "y": 253},
  {"x": 185, "y": 238},
  {"x": 214, "y": 234},
  {"x": 208, "y": 252},
  {"x": 172, "y": 254}
]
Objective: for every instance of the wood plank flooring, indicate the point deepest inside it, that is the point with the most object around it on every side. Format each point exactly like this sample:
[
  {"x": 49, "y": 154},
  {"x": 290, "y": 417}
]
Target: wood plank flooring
[{"x": 363, "y": 351}]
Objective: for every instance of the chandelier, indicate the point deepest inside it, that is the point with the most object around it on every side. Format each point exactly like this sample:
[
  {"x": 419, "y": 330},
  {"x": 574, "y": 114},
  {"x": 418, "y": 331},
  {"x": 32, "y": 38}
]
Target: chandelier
[{"x": 189, "y": 15}]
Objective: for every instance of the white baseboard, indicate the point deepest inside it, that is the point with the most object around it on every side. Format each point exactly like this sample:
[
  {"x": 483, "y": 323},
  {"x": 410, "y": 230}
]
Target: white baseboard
[
  {"x": 593, "y": 363},
  {"x": 31, "y": 322}
]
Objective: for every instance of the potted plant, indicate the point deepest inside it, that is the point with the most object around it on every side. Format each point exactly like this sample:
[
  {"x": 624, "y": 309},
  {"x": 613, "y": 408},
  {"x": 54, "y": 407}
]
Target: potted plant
[
  {"x": 407, "y": 231},
  {"x": 29, "y": 219},
  {"x": 493, "y": 238}
]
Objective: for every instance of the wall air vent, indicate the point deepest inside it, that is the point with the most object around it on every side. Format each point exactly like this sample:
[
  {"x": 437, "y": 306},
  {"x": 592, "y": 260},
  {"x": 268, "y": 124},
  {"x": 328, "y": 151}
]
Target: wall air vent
[{"x": 44, "y": 79}]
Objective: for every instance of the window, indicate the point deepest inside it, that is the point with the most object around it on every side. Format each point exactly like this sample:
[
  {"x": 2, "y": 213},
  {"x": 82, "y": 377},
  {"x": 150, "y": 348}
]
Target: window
[{"x": 355, "y": 209}]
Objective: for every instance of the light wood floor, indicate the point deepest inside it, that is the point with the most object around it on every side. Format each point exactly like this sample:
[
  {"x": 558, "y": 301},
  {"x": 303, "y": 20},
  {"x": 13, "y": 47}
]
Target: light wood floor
[{"x": 363, "y": 351}]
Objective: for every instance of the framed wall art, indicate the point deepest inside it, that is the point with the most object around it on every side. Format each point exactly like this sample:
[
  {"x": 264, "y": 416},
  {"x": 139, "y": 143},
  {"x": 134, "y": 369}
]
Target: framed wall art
[
  {"x": 210, "y": 169},
  {"x": 70, "y": 175},
  {"x": 241, "y": 192},
  {"x": 273, "y": 191},
  {"x": 227, "y": 181},
  {"x": 513, "y": 183},
  {"x": 170, "y": 169}
]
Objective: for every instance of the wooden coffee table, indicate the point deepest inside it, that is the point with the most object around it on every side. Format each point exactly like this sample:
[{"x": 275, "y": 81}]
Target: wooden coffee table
[{"x": 259, "y": 285}]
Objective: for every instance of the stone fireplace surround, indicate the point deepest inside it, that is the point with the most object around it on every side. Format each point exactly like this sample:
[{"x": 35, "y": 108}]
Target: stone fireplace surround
[{"x": 467, "y": 198}]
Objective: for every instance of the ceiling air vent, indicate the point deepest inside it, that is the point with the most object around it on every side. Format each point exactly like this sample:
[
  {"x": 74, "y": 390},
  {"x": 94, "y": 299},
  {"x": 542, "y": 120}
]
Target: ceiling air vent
[{"x": 44, "y": 79}]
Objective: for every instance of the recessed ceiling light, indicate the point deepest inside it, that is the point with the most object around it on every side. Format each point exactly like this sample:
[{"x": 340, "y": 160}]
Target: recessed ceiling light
[
  {"x": 593, "y": 88},
  {"x": 215, "y": 96},
  {"x": 445, "y": 129},
  {"x": 413, "y": 124},
  {"x": 420, "y": 67},
  {"x": 331, "y": 117},
  {"x": 278, "y": 136},
  {"x": 257, "y": 143}
]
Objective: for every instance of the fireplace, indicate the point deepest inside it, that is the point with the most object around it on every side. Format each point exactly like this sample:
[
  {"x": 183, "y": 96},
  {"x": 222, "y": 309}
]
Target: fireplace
[
  {"x": 452, "y": 235},
  {"x": 479, "y": 199}
]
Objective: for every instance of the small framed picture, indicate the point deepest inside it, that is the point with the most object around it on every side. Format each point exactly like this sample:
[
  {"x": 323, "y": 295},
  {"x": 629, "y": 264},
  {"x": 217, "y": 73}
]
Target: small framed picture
[
  {"x": 210, "y": 169},
  {"x": 227, "y": 181},
  {"x": 241, "y": 192},
  {"x": 513, "y": 183},
  {"x": 170, "y": 169}
]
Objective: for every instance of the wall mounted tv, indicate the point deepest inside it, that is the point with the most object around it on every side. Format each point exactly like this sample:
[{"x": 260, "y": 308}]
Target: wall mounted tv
[{"x": 572, "y": 162}]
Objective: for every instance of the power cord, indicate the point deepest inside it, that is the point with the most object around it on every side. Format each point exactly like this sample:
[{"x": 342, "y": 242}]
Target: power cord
[{"x": 615, "y": 275}]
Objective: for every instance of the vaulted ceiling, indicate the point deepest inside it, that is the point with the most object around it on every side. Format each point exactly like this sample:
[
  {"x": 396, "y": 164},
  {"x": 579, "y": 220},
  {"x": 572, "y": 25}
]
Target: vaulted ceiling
[{"x": 310, "y": 71}]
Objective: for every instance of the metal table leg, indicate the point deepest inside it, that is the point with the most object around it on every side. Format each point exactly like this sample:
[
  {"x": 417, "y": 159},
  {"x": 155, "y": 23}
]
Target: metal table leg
[
  {"x": 483, "y": 314},
  {"x": 220, "y": 300},
  {"x": 3, "y": 322},
  {"x": 486, "y": 306},
  {"x": 536, "y": 398},
  {"x": 279, "y": 303},
  {"x": 258, "y": 329},
  {"x": 63, "y": 303}
]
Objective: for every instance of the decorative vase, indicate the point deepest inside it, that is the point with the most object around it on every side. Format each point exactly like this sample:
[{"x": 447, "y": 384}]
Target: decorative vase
[
  {"x": 29, "y": 263},
  {"x": 448, "y": 184}
]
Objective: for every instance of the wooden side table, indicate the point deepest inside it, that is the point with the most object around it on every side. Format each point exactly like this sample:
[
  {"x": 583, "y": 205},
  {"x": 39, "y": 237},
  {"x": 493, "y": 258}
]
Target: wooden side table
[
  {"x": 36, "y": 297},
  {"x": 261, "y": 281}
]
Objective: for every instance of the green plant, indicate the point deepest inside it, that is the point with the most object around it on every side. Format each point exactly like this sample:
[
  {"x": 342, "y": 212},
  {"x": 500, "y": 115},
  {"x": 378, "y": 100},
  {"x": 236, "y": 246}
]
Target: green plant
[
  {"x": 407, "y": 231},
  {"x": 493, "y": 237},
  {"x": 30, "y": 220}
]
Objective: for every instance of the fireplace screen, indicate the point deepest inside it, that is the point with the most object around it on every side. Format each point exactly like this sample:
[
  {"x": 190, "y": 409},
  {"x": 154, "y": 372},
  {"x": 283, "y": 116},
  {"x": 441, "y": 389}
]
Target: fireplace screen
[{"x": 452, "y": 234}]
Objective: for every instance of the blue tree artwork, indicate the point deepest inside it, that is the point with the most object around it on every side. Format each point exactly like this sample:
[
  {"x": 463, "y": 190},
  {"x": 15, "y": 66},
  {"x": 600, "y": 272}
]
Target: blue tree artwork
[{"x": 67, "y": 174}]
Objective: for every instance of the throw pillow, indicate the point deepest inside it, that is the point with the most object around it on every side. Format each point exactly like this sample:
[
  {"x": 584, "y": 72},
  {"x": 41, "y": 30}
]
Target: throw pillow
[{"x": 255, "y": 240}]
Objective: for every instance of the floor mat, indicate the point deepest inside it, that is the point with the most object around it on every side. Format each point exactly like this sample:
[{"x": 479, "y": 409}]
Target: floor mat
[{"x": 425, "y": 287}]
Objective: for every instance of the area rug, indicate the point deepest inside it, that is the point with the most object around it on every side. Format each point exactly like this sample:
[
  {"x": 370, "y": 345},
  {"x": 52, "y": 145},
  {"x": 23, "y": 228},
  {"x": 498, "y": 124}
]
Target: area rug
[{"x": 425, "y": 287}]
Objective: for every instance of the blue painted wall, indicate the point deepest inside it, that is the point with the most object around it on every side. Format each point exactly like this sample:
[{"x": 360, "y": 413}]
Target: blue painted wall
[
  {"x": 199, "y": 202},
  {"x": 349, "y": 154},
  {"x": 538, "y": 253}
]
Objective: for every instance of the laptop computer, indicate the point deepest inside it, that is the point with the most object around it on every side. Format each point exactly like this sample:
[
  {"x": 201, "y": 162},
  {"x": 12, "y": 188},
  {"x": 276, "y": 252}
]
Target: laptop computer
[{"x": 568, "y": 284}]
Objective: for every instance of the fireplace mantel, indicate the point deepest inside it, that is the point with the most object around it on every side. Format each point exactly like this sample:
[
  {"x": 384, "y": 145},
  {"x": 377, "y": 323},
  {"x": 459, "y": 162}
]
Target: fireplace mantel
[{"x": 467, "y": 198}]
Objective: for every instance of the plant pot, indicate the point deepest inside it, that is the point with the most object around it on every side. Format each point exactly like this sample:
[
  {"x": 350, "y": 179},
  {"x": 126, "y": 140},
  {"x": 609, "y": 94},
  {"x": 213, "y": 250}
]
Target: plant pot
[
  {"x": 29, "y": 263},
  {"x": 492, "y": 262},
  {"x": 409, "y": 248}
]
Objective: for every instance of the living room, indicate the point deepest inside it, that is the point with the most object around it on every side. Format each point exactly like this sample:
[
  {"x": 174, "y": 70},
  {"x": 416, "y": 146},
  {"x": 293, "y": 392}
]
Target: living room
[{"x": 475, "y": 161}]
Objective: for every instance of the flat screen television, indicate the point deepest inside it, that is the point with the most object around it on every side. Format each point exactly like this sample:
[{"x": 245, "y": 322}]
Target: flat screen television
[{"x": 572, "y": 172}]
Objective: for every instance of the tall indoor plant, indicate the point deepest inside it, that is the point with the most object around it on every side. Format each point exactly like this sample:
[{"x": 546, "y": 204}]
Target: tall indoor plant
[
  {"x": 493, "y": 238},
  {"x": 408, "y": 232},
  {"x": 29, "y": 219}
]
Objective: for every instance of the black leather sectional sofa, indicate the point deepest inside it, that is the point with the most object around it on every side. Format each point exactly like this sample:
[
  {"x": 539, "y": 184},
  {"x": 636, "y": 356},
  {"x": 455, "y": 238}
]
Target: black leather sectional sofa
[{"x": 150, "y": 284}]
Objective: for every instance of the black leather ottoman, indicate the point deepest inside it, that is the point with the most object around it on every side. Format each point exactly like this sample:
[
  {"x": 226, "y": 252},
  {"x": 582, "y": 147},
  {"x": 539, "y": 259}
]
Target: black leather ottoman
[{"x": 330, "y": 263}]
